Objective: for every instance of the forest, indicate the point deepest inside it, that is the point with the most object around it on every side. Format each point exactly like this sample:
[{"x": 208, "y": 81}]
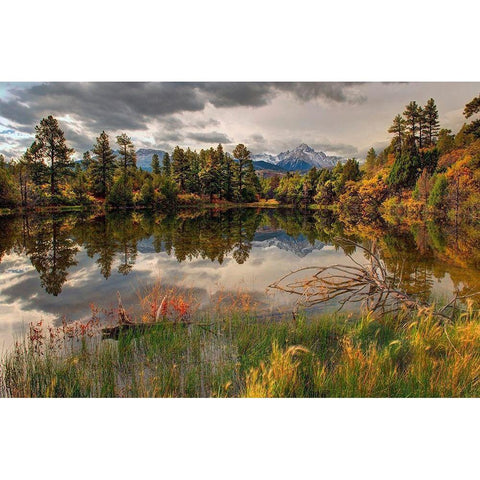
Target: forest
[{"x": 425, "y": 172}]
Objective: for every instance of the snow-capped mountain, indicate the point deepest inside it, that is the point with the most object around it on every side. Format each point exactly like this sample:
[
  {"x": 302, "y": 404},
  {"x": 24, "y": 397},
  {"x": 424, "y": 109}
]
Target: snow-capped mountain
[
  {"x": 265, "y": 157},
  {"x": 299, "y": 159},
  {"x": 300, "y": 246}
]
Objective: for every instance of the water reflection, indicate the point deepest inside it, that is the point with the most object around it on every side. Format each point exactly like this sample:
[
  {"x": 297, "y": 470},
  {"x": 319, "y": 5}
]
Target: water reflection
[{"x": 83, "y": 258}]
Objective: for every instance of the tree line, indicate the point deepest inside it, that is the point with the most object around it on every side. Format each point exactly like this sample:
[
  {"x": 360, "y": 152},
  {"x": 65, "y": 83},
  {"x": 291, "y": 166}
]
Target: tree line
[
  {"x": 425, "y": 170},
  {"x": 47, "y": 174}
]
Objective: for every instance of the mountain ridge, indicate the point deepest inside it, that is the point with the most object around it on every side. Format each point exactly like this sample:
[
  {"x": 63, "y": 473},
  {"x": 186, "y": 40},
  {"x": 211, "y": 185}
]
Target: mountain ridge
[{"x": 301, "y": 158}]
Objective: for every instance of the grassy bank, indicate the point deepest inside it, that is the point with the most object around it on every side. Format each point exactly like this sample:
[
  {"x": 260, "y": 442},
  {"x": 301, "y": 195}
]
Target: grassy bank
[{"x": 243, "y": 356}]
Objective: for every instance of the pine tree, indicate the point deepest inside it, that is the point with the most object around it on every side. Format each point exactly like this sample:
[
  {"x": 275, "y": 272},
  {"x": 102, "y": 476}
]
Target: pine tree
[
  {"x": 432, "y": 125},
  {"x": 421, "y": 127},
  {"x": 471, "y": 108},
  {"x": 167, "y": 167},
  {"x": 412, "y": 114},
  {"x": 351, "y": 171},
  {"x": 242, "y": 155},
  {"x": 398, "y": 129},
  {"x": 194, "y": 164},
  {"x": 147, "y": 193},
  {"x": 54, "y": 152},
  {"x": 370, "y": 160},
  {"x": 405, "y": 170},
  {"x": 446, "y": 141},
  {"x": 102, "y": 166},
  {"x": 128, "y": 157},
  {"x": 38, "y": 170},
  {"x": 180, "y": 167},
  {"x": 86, "y": 161},
  {"x": 210, "y": 175},
  {"x": 228, "y": 177},
  {"x": 121, "y": 193},
  {"x": 155, "y": 164}
]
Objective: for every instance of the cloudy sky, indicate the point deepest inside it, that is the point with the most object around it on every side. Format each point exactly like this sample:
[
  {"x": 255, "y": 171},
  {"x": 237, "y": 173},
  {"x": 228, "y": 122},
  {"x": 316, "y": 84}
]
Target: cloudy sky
[{"x": 338, "y": 118}]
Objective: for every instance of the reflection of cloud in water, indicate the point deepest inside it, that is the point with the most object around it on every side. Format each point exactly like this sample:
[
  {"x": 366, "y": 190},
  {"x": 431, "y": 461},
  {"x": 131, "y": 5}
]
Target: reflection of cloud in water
[{"x": 23, "y": 300}]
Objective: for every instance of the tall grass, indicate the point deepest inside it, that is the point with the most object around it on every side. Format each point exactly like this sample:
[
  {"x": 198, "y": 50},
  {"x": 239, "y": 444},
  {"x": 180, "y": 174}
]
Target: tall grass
[{"x": 239, "y": 355}]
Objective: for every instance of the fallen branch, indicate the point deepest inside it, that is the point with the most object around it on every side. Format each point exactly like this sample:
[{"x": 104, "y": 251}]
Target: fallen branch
[{"x": 369, "y": 284}]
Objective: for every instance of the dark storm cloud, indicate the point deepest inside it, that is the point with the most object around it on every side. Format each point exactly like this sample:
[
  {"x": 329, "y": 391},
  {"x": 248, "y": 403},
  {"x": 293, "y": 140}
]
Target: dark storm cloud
[
  {"x": 135, "y": 107},
  {"x": 210, "y": 137},
  {"x": 333, "y": 91},
  {"x": 130, "y": 106},
  {"x": 171, "y": 137},
  {"x": 209, "y": 122},
  {"x": 234, "y": 94}
]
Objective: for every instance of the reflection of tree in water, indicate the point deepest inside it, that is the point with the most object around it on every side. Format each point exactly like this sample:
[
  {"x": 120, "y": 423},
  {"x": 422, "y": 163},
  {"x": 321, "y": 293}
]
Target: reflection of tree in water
[
  {"x": 418, "y": 255},
  {"x": 209, "y": 235},
  {"x": 97, "y": 238},
  {"x": 52, "y": 252},
  {"x": 409, "y": 263},
  {"x": 126, "y": 232}
]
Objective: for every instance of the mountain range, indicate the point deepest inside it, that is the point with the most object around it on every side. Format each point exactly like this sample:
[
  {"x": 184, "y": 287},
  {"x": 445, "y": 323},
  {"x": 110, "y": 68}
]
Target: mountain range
[{"x": 300, "y": 159}]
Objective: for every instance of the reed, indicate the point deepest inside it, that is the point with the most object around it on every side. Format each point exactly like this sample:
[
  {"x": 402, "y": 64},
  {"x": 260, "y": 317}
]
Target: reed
[{"x": 238, "y": 354}]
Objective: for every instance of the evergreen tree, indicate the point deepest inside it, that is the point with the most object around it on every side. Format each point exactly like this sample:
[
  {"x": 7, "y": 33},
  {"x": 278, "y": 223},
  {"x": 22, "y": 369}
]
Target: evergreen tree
[
  {"x": 147, "y": 193},
  {"x": 128, "y": 157},
  {"x": 167, "y": 167},
  {"x": 180, "y": 167},
  {"x": 102, "y": 166},
  {"x": 439, "y": 192},
  {"x": 54, "y": 152},
  {"x": 405, "y": 170},
  {"x": 37, "y": 169},
  {"x": 370, "y": 160},
  {"x": 194, "y": 164},
  {"x": 210, "y": 175},
  {"x": 227, "y": 168},
  {"x": 121, "y": 194},
  {"x": 155, "y": 164},
  {"x": 472, "y": 108},
  {"x": 242, "y": 155},
  {"x": 252, "y": 187},
  {"x": 86, "y": 161},
  {"x": 432, "y": 125},
  {"x": 351, "y": 171},
  {"x": 80, "y": 185},
  {"x": 412, "y": 115},
  {"x": 398, "y": 129},
  {"x": 446, "y": 141},
  {"x": 421, "y": 127}
]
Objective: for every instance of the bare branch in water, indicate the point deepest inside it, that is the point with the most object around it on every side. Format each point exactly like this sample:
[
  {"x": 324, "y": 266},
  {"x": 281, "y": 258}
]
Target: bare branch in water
[{"x": 367, "y": 284}]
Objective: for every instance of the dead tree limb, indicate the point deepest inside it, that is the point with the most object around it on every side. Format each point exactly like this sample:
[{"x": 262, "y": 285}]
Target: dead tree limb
[{"x": 368, "y": 284}]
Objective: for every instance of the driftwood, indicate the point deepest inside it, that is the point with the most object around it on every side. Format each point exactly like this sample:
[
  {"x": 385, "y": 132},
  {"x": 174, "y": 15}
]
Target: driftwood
[
  {"x": 369, "y": 285},
  {"x": 113, "y": 332},
  {"x": 126, "y": 324}
]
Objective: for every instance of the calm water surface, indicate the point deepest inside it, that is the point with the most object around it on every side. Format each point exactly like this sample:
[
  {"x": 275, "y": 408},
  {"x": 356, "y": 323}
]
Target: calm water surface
[{"x": 54, "y": 266}]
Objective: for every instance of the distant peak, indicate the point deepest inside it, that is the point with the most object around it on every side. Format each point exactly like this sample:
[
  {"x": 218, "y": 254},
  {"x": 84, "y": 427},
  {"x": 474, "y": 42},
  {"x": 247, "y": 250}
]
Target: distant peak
[{"x": 304, "y": 147}]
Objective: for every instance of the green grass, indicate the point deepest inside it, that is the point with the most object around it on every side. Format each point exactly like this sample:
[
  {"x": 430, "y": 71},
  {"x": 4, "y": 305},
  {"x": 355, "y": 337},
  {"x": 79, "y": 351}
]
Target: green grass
[{"x": 238, "y": 355}]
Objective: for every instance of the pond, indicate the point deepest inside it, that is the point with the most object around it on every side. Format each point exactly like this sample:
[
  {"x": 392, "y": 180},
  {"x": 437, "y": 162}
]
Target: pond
[{"x": 54, "y": 266}]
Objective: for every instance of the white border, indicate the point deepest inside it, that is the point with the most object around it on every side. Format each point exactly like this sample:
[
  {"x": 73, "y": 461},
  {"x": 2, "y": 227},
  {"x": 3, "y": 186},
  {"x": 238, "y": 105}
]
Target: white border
[{"x": 249, "y": 40}]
